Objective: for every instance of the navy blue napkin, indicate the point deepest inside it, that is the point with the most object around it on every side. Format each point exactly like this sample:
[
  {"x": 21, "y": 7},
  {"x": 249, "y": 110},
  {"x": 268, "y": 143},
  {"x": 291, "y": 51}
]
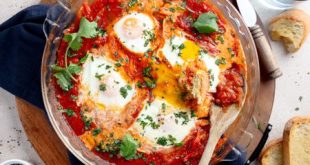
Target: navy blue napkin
[{"x": 22, "y": 43}]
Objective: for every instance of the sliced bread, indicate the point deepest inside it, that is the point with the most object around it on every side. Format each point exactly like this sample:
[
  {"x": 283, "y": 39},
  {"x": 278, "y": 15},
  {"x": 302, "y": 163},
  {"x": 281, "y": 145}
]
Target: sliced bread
[
  {"x": 272, "y": 153},
  {"x": 292, "y": 27},
  {"x": 296, "y": 142}
]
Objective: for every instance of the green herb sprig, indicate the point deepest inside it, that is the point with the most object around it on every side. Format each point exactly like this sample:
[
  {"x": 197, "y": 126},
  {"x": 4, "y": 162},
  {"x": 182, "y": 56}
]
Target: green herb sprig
[
  {"x": 206, "y": 23},
  {"x": 63, "y": 75}
]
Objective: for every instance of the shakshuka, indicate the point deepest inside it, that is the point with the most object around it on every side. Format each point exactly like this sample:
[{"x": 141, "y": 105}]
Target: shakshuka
[{"x": 136, "y": 79}]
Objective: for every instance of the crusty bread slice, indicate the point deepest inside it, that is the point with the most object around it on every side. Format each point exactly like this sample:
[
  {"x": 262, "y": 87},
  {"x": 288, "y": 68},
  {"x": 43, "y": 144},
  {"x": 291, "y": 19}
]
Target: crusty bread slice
[
  {"x": 292, "y": 27},
  {"x": 272, "y": 153},
  {"x": 296, "y": 141}
]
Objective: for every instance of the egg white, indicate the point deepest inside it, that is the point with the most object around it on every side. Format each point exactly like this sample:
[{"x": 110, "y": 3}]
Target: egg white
[
  {"x": 98, "y": 70},
  {"x": 171, "y": 50},
  {"x": 213, "y": 69},
  {"x": 167, "y": 121},
  {"x": 134, "y": 32}
]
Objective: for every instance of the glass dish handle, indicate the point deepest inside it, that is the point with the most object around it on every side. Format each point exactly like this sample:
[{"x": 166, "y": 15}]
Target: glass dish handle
[
  {"x": 57, "y": 16},
  {"x": 237, "y": 152}
]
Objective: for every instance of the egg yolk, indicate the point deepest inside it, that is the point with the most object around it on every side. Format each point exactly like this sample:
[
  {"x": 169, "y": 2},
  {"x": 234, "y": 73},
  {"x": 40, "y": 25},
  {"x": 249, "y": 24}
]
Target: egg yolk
[
  {"x": 167, "y": 86},
  {"x": 190, "y": 51}
]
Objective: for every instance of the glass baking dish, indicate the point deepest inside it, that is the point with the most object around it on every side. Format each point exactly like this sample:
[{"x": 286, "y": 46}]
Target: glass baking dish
[{"x": 60, "y": 17}]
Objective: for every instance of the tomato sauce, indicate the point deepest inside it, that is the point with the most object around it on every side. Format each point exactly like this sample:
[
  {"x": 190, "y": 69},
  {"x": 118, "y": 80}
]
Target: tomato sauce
[{"x": 105, "y": 11}]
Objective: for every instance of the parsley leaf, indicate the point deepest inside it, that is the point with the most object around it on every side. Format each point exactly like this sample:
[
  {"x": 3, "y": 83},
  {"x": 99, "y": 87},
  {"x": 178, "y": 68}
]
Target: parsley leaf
[
  {"x": 63, "y": 75},
  {"x": 162, "y": 141},
  {"x": 147, "y": 72},
  {"x": 206, "y": 23},
  {"x": 87, "y": 30},
  {"x": 83, "y": 60},
  {"x": 96, "y": 132},
  {"x": 221, "y": 61},
  {"x": 87, "y": 122},
  {"x": 123, "y": 92},
  {"x": 74, "y": 69},
  {"x": 132, "y": 3},
  {"x": 103, "y": 87},
  {"x": 69, "y": 112},
  {"x": 128, "y": 147},
  {"x": 63, "y": 81},
  {"x": 168, "y": 141},
  {"x": 183, "y": 116}
]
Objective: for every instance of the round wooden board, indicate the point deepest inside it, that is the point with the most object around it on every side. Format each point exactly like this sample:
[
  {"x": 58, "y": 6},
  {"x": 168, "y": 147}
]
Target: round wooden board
[{"x": 41, "y": 134}]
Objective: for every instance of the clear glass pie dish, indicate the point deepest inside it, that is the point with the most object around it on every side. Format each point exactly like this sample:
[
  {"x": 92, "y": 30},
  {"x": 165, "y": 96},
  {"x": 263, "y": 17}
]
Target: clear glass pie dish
[{"x": 62, "y": 14}]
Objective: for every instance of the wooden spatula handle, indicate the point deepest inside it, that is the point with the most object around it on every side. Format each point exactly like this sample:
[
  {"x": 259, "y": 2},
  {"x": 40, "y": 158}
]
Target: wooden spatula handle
[{"x": 266, "y": 57}]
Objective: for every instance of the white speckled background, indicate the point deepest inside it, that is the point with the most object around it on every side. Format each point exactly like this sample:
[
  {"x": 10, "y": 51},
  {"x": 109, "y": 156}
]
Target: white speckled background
[{"x": 292, "y": 92}]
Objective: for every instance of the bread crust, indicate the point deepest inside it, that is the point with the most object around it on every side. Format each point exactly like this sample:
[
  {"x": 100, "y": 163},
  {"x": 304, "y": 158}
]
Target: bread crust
[
  {"x": 289, "y": 128},
  {"x": 295, "y": 15},
  {"x": 270, "y": 145}
]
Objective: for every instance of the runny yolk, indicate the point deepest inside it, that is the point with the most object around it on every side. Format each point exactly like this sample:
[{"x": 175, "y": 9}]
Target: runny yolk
[
  {"x": 167, "y": 85},
  {"x": 190, "y": 51}
]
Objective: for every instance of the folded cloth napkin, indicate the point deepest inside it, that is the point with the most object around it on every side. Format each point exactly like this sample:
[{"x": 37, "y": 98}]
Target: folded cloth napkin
[{"x": 22, "y": 43}]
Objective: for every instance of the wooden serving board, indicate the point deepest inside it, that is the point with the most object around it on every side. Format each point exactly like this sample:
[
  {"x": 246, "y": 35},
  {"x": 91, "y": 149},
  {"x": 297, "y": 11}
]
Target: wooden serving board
[
  {"x": 52, "y": 151},
  {"x": 41, "y": 134}
]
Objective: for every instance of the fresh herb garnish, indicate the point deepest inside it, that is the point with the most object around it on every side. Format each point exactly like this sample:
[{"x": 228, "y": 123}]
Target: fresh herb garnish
[
  {"x": 168, "y": 141},
  {"x": 183, "y": 116},
  {"x": 220, "y": 38},
  {"x": 64, "y": 75},
  {"x": 206, "y": 23},
  {"x": 83, "y": 60},
  {"x": 221, "y": 61},
  {"x": 142, "y": 123},
  {"x": 172, "y": 9},
  {"x": 103, "y": 87},
  {"x": 96, "y": 132},
  {"x": 129, "y": 87},
  {"x": 193, "y": 114},
  {"x": 73, "y": 97},
  {"x": 87, "y": 122},
  {"x": 231, "y": 51},
  {"x": 118, "y": 65},
  {"x": 99, "y": 76},
  {"x": 162, "y": 141},
  {"x": 163, "y": 106},
  {"x": 132, "y": 3},
  {"x": 86, "y": 30},
  {"x": 147, "y": 72},
  {"x": 69, "y": 112},
  {"x": 139, "y": 84},
  {"x": 148, "y": 121},
  {"x": 113, "y": 147},
  {"x": 128, "y": 147},
  {"x": 101, "y": 32},
  {"x": 123, "y": 92},
  {"x": 148, "y": 36},
  {"x": 150, "y": 84}
]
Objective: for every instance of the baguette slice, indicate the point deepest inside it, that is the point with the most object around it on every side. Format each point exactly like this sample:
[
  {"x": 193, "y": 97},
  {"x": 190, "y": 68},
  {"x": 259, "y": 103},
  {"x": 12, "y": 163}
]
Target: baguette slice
[
  {"x": 272, "y": 153},
  {"x": 296, "y": 142},
  {"x": 292, "y": 27}
]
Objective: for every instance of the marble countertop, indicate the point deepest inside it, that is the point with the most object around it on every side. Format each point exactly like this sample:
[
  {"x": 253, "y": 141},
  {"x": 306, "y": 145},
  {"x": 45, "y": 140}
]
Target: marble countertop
[{"x": 292, "y": 89}]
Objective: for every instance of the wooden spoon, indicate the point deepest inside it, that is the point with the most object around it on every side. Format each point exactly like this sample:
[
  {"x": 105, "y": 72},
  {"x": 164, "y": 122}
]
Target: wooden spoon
[{"x": 220, "y": 121}]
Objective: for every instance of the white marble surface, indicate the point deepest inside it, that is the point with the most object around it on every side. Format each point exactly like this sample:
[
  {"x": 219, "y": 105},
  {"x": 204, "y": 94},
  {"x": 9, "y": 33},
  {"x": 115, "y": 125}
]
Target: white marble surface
[
  {"x": 293, "y": 88},
  {"x": 292, "y": 91}
]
